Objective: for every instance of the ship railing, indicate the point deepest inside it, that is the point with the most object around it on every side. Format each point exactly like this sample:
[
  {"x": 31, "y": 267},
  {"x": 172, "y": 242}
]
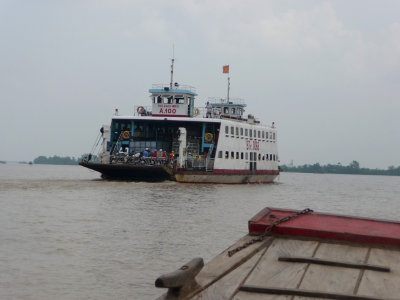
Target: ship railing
[
  {"x": 201, "y": 112},
  {"x": 139, "y": 161},
  {"x": 162, "y": 86},
  {"x": 225, "y": 101},
  {"x": 199, "y": 163}
]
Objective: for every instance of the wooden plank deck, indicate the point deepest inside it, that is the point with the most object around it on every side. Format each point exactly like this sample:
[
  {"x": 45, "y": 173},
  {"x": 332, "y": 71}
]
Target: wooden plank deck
[
  {"x": 341, "y": 276},
  {"x": 300, "y": 268}
]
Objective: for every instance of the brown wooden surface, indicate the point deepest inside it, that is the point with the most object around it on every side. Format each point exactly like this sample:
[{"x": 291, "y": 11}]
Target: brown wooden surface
[
  {"x": 334, "y": 279},
  {"x": 222, "y": 264},
  {"x": 226, "y": 286},
  {"x": 281, "y": 274},
  {"x": 386, "y": 285},
  {"x": 334, "y": 263},
  {"x": 260, "y": 262},
  {"x": 304, "y": 293}
]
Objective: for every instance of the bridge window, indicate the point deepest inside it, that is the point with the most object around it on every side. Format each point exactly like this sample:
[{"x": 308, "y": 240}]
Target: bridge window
[
  {"x": 179, "y": 100},
  {"x": 237, "y": 131},
  {"x": 241, "y": 131},
  {"x": 226, "y": 154},
  {"x": 251, "y": 132},
  {"x": 241, "y": 155},
  {"x": 227, "y": 129},
  {"x": 219, "y": 154},
  {"x": 226, "y": 110},
  {"x": 232, "y": 130},
  {"x": 247, "y": 155},
  {"x": 232, "y": 155},
  {"x": 237, "y": 155},
  {"x": 246, "y": 132},
  {"x": 233, "y": 110}
]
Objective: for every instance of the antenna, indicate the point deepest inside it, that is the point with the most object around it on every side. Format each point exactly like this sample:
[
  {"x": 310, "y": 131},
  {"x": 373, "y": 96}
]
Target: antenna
[{"x": 172, "y": 66}]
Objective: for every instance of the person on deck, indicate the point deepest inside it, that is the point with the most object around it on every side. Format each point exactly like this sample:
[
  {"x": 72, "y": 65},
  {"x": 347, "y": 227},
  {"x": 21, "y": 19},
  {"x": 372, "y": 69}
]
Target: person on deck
[
  {"x": 154, "y": 153},
  {"x": 146, "y": 152},
  {"x": 209, "y": 109},
  {"x": 172, "y": 155}
]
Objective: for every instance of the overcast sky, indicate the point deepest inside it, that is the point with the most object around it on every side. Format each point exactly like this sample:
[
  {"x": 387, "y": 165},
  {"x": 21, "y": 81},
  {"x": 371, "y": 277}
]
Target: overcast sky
[{"x": 326, "y": 72}]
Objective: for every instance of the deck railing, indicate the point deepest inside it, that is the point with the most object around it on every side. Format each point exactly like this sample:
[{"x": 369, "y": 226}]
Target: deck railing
[
  {"x": 174, "y": 87},
  {"x": 191, "y": 163}
]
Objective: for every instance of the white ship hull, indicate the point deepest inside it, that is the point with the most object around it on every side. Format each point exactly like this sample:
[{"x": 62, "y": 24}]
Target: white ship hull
[{"x": 193, "y": 177}]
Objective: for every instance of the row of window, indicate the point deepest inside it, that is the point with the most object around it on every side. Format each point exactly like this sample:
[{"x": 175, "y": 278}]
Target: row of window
[
  {"x": 250, "y": 132},
  {"x": 253, "y": 156},
  {"x": 230, "y": 110}
]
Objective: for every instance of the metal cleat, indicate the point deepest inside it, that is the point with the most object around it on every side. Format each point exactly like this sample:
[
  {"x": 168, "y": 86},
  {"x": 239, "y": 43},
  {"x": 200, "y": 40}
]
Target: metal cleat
[{"x": 182, "y": 281}]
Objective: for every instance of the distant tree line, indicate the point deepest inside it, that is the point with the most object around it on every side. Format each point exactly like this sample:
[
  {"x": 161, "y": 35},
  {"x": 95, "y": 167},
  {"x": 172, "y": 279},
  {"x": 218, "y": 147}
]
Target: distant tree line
[
  {"x": 352, "y": 168},
  {"x": 60, "y": 160}
]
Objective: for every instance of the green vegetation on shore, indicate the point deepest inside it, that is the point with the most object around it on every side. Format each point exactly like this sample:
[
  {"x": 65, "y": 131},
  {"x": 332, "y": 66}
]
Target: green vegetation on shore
[
  {"x": 56, "y": 160},
  {"x": 61, "y": 160},
  {"x": 352, "y": 168}
]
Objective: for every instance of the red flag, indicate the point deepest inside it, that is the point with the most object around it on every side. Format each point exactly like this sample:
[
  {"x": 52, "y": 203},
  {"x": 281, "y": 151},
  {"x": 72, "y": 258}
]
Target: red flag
[{"x": 225, "y": 69}]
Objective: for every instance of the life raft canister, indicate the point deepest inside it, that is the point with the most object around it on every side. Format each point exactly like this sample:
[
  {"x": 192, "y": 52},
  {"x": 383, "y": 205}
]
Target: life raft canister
[
  {"x": 208, "y": 137},
  {"x": 126, "y": 135},
  {"x": 196, "y": 111},
  {"x": 140, "y": 109}
]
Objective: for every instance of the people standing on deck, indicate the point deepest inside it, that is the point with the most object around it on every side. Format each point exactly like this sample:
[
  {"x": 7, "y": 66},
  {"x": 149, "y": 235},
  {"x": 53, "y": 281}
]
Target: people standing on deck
[
  {"x": 124, "y": 150},
  {"x": 146, "y": 152},
  {"x": 171, "y": 156},
  {"x": 154, "y": 153},
  {"x": 209, "y": 109}
]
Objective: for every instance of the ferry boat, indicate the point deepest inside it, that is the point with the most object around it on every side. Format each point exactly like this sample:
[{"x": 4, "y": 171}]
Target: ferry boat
[
  {"x": 172, "y": 139},
  {"x": 290, "y": 254}
]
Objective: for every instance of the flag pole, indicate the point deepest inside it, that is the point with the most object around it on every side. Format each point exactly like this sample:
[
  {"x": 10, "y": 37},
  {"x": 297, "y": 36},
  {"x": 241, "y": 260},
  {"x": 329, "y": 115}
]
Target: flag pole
[{"x": 229, "y": 84}]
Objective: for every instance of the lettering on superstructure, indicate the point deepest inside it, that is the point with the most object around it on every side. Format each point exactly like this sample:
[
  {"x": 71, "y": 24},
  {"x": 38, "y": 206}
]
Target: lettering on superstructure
[
  {"x": 167, "y": 108},
  {"x": 252, "y": 145}
]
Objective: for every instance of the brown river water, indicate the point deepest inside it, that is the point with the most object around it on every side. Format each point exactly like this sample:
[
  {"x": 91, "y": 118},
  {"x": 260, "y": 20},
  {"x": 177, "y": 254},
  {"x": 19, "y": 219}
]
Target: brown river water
[{"x": 67, "y": 234}]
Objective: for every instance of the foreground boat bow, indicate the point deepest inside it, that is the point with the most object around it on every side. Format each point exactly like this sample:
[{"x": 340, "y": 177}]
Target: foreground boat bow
[{"x": 308, "y": 254}]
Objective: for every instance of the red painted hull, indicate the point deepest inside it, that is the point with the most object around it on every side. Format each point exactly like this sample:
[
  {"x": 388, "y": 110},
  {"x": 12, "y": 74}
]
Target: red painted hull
[{"x": 328, "y": 226}]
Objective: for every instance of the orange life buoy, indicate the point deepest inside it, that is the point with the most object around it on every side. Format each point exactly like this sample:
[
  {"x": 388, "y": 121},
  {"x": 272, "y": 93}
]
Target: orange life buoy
[
  {"x": 140, "y": 109},
  {"x": 126, "y": 135},
  {"x": 208, "y": 137}
]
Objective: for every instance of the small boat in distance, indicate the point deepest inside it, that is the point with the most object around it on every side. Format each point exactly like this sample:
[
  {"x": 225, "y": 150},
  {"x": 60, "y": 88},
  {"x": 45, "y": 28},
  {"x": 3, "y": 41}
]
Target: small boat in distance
[
  {"x": 175, "y": 140},
  {"x": 291, "y": 254}
]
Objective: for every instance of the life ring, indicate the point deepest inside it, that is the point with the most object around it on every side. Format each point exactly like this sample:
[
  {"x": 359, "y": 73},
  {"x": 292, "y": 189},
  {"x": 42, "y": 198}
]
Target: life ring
[
  {"x": 196, "y": 111},
  {"x": 126, "y": 135},
  {"x": 208, "y": 137},
  {"x": 140, "y": 110}
]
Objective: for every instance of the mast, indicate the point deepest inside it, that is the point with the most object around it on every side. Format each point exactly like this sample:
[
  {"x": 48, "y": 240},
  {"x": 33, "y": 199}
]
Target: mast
[{"x": 172, "y": 67}]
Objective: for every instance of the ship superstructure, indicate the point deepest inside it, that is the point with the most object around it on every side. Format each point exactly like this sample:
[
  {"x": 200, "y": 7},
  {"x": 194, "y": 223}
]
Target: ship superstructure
[{"x": 174, "y": 139}]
